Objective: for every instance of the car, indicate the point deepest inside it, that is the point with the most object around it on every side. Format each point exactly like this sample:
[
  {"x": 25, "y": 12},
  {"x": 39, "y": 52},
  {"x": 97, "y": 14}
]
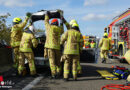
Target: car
[{"x": 6, "y": 55}]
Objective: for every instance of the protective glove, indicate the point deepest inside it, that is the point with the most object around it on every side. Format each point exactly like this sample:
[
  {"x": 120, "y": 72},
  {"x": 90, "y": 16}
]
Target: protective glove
[
  {"x": 61, "y": 12},
  {"x": 63, "y": 58},
  {"x": 63, "y": 19},
  {"x": 28, "y": 14},
  {"x": 47, "y": 13},
  {"x": 30, "y": 22}
]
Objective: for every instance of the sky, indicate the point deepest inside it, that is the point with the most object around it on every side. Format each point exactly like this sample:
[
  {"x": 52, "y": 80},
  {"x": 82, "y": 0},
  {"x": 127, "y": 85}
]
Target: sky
[{"x": 92, "y": 15}]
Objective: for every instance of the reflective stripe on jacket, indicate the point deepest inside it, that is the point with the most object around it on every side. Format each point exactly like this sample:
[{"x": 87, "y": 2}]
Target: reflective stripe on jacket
[
  {"x": 68, "y": 26},
  {"x": 72, "y": 40},
  {"x": 27, "y": 42},
  {"x": 53, "y": 34}
]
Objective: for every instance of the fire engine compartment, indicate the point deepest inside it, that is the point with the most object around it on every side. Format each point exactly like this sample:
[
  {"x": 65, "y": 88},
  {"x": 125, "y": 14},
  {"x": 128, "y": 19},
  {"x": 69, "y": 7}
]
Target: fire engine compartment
[{"x": 119, "y": 33}]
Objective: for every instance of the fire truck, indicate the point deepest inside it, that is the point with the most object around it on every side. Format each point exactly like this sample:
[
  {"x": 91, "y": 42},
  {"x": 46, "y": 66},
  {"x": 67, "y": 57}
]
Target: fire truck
[{"x": 119, "y": 33}]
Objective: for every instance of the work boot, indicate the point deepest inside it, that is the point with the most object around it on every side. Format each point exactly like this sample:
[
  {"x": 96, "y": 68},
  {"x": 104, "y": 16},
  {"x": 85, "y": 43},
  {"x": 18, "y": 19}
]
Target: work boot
[
  {"x": 66, "y": 79},
  {"x": 103, "y": 60},
  {"x": 58, "y": 75},
  {"x": 24, "y": 72},
  {"x": 53, "y": 77}
]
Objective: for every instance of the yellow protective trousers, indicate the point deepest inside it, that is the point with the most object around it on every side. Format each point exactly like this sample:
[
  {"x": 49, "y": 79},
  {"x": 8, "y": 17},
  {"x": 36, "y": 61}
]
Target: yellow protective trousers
[
  {"x": 71, "y": 60},
  {"x": 30, "y": 57},
  {"x": 54, "y": 60},
  {"x": 103, "y": 54},
  {"x": 16, "y": 57}
]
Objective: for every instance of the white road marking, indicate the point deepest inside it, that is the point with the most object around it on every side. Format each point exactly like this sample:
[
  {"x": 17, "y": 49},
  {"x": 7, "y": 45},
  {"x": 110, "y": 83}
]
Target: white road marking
[{"x": 33, "y": 83}]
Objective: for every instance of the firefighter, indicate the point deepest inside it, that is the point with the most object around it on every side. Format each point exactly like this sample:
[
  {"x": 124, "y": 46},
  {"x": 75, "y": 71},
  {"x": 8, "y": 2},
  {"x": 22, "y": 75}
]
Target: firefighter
[
  {"x": 73, "y": 40},
  {"x": 104, "y": 46},
  {"x": 79, "y": 68},
  {"x": 87, "y": 44},
  {"x": 52, "y": 44},
  {"x": 27, "y": 42},
  {"x": 68, "y": 25},
  {"x": 92, "y": 44},
  {"x": 16, "y": 34}
]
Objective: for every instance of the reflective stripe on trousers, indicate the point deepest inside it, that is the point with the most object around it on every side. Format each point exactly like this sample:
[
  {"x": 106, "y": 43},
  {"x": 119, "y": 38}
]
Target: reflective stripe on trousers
[
  {"x": 30, "y": 58},
  {"x": 71, "y": 59},
  {"x": 74, "y": 72},
  {"x": 54, "y": 60},
  {"x": 66, "y": 71}
]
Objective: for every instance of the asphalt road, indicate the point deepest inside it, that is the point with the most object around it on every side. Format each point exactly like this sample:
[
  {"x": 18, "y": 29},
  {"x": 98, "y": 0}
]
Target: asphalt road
[{"x": 90, "y": 79}]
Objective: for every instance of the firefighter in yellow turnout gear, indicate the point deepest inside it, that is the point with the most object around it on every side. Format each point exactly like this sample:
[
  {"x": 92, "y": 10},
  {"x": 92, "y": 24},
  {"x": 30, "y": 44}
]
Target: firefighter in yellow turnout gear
[
  {"x": 87, "y": 44},
  {"x": 104, "y": 45},
  {"x": 52, "y": 45},
  {"x": 27, "y": 42},
  {"x": 92, "y": 44},
  {"x": 73, "y": 41},
  {"x": 16, "y": 34},
  {"x": 68, "y": 25}
]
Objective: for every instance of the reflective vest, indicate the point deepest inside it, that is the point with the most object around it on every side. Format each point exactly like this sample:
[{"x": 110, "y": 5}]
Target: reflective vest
[
  {"x": 28, "y": 40},
  {"x": 53, "y": 34},
  {"x": 87, "y": 43},
  {"x": 104, "y": 44},
  {"x": 92, "y": 45},
  {"x": 73, "y": 41},
  {"x": 16, "y": 33}
]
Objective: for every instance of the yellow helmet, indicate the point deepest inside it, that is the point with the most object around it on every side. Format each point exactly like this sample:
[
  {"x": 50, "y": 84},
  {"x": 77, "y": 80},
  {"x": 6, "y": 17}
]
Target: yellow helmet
[
  {"x": 73, "y": 21},
  {"x": 105, "y": 34},
  {"x": 17, "y": 20},
  {"x": 75, "y": 25}
]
